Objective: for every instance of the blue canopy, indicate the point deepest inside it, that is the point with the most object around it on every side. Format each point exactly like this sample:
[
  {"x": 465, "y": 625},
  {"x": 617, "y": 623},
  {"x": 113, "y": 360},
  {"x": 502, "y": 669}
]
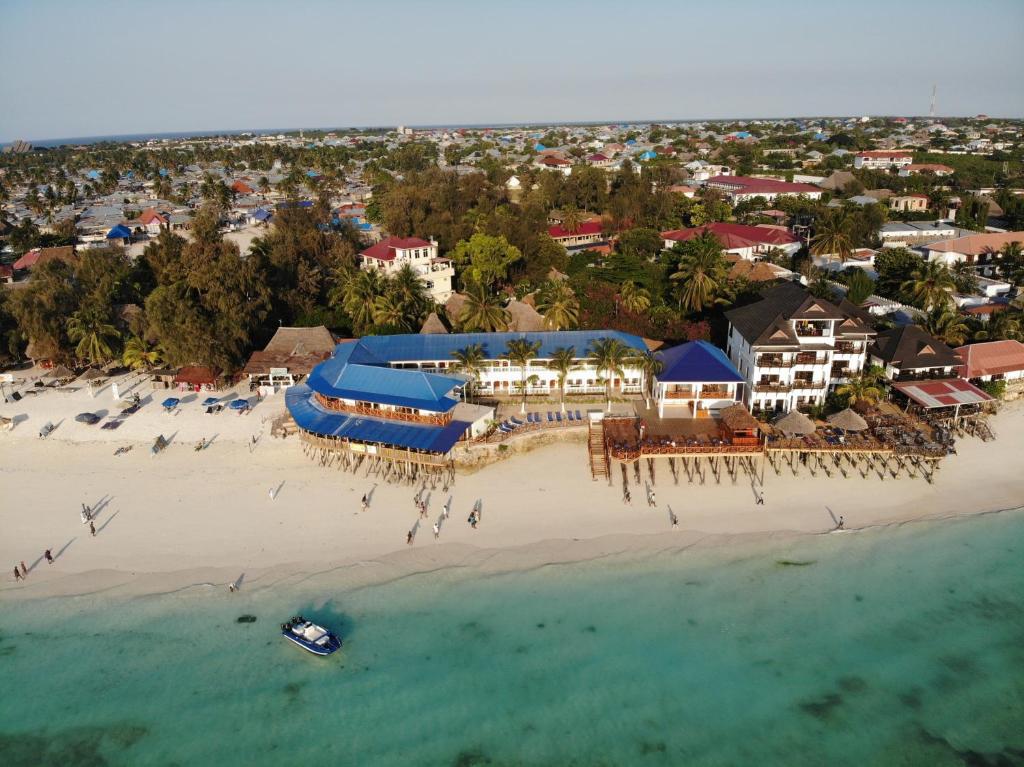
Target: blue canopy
[
  {"x": 171, "y": 402},
  {"x": 119, "y": 232},
  {"x": 210, "y": 401},
  {"x": 239, "y": 404},
  {"x": 696, "y": 362}
]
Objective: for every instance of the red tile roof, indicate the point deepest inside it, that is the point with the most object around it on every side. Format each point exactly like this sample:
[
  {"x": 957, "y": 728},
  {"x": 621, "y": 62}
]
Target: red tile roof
[
  {"x": 42, "y": 255},
  {"x": 385, "y": 249},
  {"x": 149, "y": 215},
  {"x": 733, "y": 236},
  {"x": 586, "y": 228},
  {"x": 746, "y": 185},
  {"x": 947, "y": 393},
  {"x": 991, "y": 358},
  {"x": 240, "y": 187}
]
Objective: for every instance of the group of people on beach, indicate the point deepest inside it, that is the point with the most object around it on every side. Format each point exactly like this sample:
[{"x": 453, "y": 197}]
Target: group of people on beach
[
  {"x": 420, "y": 502},
  {"x": 87, "y": 515}
]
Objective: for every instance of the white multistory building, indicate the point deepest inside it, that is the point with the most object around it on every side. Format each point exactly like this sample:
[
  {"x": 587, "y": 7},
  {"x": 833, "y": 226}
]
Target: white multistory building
[
  {"x": 392, "y": 253},
  {"x": 792, "y": 348}
]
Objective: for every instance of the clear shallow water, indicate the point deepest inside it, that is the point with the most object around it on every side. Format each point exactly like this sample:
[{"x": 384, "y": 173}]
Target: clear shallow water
[{"x": 896, "y": 647}]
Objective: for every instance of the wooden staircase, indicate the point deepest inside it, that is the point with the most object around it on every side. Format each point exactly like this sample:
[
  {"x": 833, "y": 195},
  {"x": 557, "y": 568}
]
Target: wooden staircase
[{"x": 598, "y": 450}]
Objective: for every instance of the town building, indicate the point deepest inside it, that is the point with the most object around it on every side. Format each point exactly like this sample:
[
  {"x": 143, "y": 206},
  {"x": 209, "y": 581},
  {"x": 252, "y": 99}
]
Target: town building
[
  {"x": 793, "y": 348},
  {"x": 980, "y": 249},
  {"x": 583, "y": 236},
  {"x": 992, "y": 361},
  {"x": 392, "y": 253},
  {"x": 289, "y": 356},
  {"x": 908, "y": 353},
  {"x": 912, "y": 203},
  {"x": 742, "y": 188},
  {"x": 910, "y": 234},
  {"x": 748, "y": 242},
  {"x": 696, "y": 380},
  {"x": 936, "y": 168},
  {"x": 883, "y": 159}
]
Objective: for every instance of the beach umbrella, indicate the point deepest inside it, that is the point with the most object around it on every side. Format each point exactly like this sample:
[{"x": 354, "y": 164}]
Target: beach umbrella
[
  {"x": 795, "y": 423},
  {"x": 210, "y": 401},
  {"x": 848, "y": 420},
  {"x": 170, "y": 403},
  {"x": 59, "y": 372},
  {"x": 89, "y": 375},
  {"x": 239, "y": 404}
]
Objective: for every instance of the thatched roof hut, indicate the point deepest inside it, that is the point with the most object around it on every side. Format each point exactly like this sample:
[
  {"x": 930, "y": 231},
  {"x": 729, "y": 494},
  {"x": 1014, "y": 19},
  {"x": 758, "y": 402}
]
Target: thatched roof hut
[
  {"x": 795, "y": 423},
  {"x": 523, "y": 318},
  {"x": 433, "y": 325},
  {"x": 848, "y": 420}
]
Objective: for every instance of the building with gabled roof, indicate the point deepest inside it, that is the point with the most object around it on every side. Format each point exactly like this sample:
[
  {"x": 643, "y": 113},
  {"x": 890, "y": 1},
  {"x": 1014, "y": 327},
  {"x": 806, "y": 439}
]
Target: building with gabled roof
[
  {"x": 696, "y": 380},
  {"x": 749, "y": 242},
  {"x": 291, "y": 354},
  {"x": 792, "y": 348},
  {"x": 992, "y": 361},
  {"x": 741, "y": 188},
  {"x": 910, "y": 353},
  {"x": 392, "y": 253}
]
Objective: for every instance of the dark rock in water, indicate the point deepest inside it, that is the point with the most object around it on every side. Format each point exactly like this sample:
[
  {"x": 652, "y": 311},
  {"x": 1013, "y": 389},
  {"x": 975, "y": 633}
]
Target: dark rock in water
[
  {"x": 471, "y": 759},
  {"x": 794, "y": 562},
  {"x": 822, "y": 708},
  {"x": 540, "y": 625},
  {"x": 852, "y": 684},
  {"x": 858, "y": 597},
  {"x": 591, "y": 629},
  {"x": 657, "y": 747},
  {"x": 246, "y": 619}
]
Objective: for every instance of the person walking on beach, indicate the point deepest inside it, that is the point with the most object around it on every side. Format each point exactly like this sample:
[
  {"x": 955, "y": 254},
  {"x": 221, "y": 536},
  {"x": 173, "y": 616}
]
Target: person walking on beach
[
  {"x": 86, "y": 514},
  {"x": 272, "y": 493},
  {"x": 472, "y": 519},
  {"x": 92, "y": 529},
  {"x": 48, "y": 557},
  {"x": 650, "y": 497},
  {"x": 366, "y": 503},
  {"x": 446, "y": 508},
  {"x": 839, "y": 525},
  {"x": 760, "y": 498},
  {"x": 17, "y": 574},
  {"x": 675, "y": 521},
  {"x": 437, "y": 531},
  {"x": 408, "y": 538},
  {"x": 24, "y": 570}
]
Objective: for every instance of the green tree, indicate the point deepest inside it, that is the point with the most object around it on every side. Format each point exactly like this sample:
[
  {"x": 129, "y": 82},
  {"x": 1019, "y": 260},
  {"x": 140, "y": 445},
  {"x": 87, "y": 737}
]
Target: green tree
[
  {"x": 1002, "y": 325},
  {"x": 861, "y": 389},
  {"x": 641, "y": 243},
  {"x": 859, "y": 286},
  {"x": 832, "y": 236},
  {"x": 633, "y": 299},
  {"x": 946, "y": 325},
  {"x": 929, "y": 285},
  {"x": 484, "y": 259},
  {"x": 470, "y": 361},
  {"x": 701, "y": 274},
  {"x": 94, "y": 335},
  {"x": 482, "y": 312},
  {"x": 610, "y": 356},
  {"x": 140, "y": 355},
  {"x": 557, "y": 301},
  {"x": 520, "y": 352},
  {"x": 894, "y": 267},
  {"x": 563, "y": 362}
]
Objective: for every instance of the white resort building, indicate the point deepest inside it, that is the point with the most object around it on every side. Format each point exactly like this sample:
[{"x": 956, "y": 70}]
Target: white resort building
[
  {"x": 793, "y": 348},
  {"x": 392, "y": 253}
]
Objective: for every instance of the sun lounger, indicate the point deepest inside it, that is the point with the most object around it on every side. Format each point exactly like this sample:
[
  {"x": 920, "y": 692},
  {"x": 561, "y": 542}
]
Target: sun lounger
[
  {"x": 111, "y": 425},
  {"x": 569, "y": 416},
  {"x": 516, "y": 421},
  {"x": 579, "y": 417},
  {"x": 130, "y": 410},
  {"x": 558, "y": 417},
  {"x": 551, "y": 417}
]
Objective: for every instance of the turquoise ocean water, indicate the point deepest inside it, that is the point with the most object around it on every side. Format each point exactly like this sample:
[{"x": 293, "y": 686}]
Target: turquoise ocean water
[{"x": 902, "y": 646}]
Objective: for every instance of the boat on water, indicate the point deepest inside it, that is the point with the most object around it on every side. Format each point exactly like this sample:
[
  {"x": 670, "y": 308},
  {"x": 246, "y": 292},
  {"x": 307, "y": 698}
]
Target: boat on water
[{"x": 310, "y": 637}]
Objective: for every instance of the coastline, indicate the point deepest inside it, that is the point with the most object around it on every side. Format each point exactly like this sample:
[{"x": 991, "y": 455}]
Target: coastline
[{"x": 187, "y": 521}]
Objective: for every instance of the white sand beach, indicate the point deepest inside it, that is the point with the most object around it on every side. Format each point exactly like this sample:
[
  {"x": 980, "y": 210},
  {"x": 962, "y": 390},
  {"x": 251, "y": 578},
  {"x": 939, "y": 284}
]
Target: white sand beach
[{"x": 185, "y": 517}]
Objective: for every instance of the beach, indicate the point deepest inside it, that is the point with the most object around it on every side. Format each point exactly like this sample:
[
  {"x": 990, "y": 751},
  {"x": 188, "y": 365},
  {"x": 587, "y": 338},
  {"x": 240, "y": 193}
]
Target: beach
[{"x": 186, "y": 517}]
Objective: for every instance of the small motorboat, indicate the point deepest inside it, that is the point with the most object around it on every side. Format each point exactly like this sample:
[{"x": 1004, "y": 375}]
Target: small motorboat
[{"x": 310, "y": 637}]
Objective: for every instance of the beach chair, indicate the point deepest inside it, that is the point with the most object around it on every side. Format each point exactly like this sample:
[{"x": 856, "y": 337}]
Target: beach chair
[
  {"x": 551, "y": 417},
  {"x": 44, "y": 432},
  {"x": 516, "y": 421},
  {"x": 558, "y": 417},
  {"x": 578, "y": 416}
]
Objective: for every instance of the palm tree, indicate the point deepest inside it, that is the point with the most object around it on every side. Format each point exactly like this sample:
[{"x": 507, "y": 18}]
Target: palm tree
[
  {"x": 557, "y": 302},
  {"x": 634, "y": 299},
  {"x": 411, "y": 289},
  {"x": 946, "y": 325},
  {"x": 701, "y": 272},
  {"x": 520, "y": 352},
  {"x": 965, "y": 278},
  {"x": 470, "y": 361},
  {"x": 610, "y": 355},
  {"x": 482, "y": 311},
  {"x": 389, "y": 312},
  {"x": 572, "y": 219},
  {"x": 832, "y": 236},
  {"x": 138, "y": 355},
  {"x": 1001, "y": 326},
  {"x": 264, "y": 186},
  {"x": 862, "y": 388},
  {"x": 356, "y": 292},
  {"x": 94, "y": 335},
  {"x": 929, "y": 285},
  {"x": 563, "y": 362},
  {"x": 651, "y": 367}
]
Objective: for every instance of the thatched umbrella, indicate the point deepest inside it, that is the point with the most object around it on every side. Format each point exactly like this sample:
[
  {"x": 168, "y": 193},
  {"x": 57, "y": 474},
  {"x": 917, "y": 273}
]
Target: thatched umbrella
[
  {"x": 90, "y": 375},
  {"x": 433, "y": 325},
  {"x": 795, "y": 423},
  {"x": 848, "y": 420},
  {"x": 59, "y": 373}
]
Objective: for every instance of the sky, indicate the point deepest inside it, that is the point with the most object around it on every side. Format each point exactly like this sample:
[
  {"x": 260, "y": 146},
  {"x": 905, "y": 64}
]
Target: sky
[{"x": 73, "y": 68}]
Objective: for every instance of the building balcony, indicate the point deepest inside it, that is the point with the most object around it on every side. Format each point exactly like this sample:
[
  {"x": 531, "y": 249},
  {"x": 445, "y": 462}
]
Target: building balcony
[
  {"x": 807, "y": 330},
  {"x": 810, "y": 358},
  {"x": 812, "y": 385},
  {"x": 846, "y": 347},
  {"x": 680, "y": 393},
  {"x": 925, "y": 375},
  {"x": 780, "y": 388},
  {"x": 715, "y": 392},
  {"x": 773, "y": 361}
]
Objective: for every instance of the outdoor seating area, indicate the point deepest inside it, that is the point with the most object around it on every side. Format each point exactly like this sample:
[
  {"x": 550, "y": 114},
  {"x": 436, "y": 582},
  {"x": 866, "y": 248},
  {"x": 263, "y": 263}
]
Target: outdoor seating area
[{"x": 535, "y": 420}]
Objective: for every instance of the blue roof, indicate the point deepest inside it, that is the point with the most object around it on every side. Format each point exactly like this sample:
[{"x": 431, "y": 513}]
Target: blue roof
[
  {"x": 381, "y": 350},
  {"x": 260, "y": 214},
  {"x": 344, "y": 377},
  {"x": 310, "y": 416},
  {"x": 94, "y": 174},
  {"x": 648, "y": 155},
  {"x": 119, "y": 232},
  {"x": 696, "y": 362},
  {"x": 539, "y": 147}
]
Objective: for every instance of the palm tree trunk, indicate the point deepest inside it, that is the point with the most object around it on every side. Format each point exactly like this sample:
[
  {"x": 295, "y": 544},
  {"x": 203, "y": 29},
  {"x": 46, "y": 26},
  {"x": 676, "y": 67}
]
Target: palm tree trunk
[{"x": 523, "y": 408}]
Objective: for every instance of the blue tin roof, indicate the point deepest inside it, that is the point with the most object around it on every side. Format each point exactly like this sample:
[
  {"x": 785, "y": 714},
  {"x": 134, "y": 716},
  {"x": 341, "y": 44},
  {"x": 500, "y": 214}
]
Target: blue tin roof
[
  {"x": 261, "y": 215},
  {"x": 344, "y": 377},
  {"x": 382, "y": 350},
  {"x": 119, "y": 232},
  {"x": 311, "y": 417},
  {"x": 696, "y": 362}
]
